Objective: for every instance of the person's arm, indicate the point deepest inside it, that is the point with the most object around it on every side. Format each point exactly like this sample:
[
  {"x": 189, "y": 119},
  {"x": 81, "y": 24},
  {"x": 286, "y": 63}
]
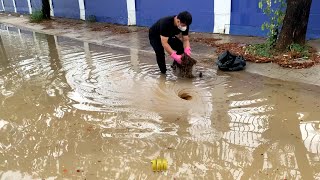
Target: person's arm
[
  {"x": 166, "y": 46},
  {"x": 186, "y": 42},
  {"x": 169, "y": 50},
  {"x": 164, "y": 35}
]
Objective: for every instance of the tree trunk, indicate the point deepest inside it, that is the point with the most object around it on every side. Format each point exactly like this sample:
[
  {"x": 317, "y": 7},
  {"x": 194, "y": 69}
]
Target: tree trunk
[
  {"x": 46, "y": 9},
  {"x": 295, "y": 23}
]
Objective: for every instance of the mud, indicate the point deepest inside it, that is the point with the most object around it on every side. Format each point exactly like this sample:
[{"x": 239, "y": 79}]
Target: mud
[
  {"x": 73, "y": 110},
  {"x": 186, "y": 67},
  {"x": 208, "y": 41},
  {"x": 96, "y": 27}
]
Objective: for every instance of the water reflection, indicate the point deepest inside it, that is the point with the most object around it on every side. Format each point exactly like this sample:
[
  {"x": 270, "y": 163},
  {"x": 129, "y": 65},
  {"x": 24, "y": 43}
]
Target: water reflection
[{"x": 70, "y": 109}]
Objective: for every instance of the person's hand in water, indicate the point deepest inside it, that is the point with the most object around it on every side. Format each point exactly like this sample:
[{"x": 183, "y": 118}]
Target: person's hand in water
[{"x": 176, "y": 57}]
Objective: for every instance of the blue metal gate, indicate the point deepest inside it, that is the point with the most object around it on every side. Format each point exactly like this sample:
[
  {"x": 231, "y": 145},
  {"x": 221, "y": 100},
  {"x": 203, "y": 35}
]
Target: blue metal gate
[
  {"x": 36, "y": 5},
  {"x": 8, "y": 4},
  {"x": 246, "y": 18},
  {"x": 110, "y": 11},
  {"x": 22, "y": 6},
  {"x": 149, "y": 11},
  {"x": 314, "y": 20},
  {"x": 66, "y": 8}
]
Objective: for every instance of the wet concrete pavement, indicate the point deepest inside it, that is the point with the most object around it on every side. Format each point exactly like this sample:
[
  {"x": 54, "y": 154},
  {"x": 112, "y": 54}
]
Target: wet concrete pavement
[
  {"x": 138, "y": 40},
  {"x": 75, "y": 110}
]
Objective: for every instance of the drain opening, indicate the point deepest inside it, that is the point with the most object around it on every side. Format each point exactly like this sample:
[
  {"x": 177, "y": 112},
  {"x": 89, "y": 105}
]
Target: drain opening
[{"x": 185, "y": 96}]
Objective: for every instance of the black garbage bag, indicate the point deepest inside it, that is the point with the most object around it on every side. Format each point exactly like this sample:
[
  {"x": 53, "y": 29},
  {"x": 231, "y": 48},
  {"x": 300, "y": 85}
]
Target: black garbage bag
[{"x": 230, "y": 62}]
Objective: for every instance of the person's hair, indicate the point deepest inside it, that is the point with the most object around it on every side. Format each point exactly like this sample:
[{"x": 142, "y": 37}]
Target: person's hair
[{"x": 185, "y": 17}]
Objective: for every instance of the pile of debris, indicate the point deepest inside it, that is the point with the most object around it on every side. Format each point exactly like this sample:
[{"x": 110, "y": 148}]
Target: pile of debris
[{"x": 288, "y": 60}]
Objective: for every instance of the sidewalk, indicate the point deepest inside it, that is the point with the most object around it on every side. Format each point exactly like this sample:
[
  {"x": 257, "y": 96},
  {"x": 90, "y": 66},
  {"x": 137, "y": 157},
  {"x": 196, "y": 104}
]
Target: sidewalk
[{"x": 137, "y": 38}]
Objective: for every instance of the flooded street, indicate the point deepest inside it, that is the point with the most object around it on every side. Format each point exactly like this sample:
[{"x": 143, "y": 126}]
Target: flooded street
[{"x": 74, "y": 110}]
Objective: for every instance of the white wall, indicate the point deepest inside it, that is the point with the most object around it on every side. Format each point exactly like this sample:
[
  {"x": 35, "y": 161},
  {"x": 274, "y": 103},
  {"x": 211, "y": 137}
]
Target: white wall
[
  {"x": 82, "y": 10},
  {"x": 51, "y": 8},
  {"x": 29, "y": 6},
  {"x": 2, "y": 6},
  {"x": 222, "y": 16},
  {"x": 131, "y": 8}
]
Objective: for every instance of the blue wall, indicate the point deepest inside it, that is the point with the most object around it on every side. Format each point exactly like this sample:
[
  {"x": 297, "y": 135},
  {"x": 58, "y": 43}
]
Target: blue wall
[
  {"x": 247, "y": 18},
  {"x": 36, "y": 5},
  {"x": 8, "y": 4},
  {"x": 22, "y": 6},
  {"x": 111, "y": 11},
  {"x": 66, "y": 8},
  {"x": 314, "y": 20},
  {"x": 149, "y": 11}
]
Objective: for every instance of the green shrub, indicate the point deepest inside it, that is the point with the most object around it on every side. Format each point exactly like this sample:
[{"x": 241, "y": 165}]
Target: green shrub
[
  {"x": 264, "y": 50},
  {"x": 36, "y": 16},
  {"x": 303, "y": 50}
]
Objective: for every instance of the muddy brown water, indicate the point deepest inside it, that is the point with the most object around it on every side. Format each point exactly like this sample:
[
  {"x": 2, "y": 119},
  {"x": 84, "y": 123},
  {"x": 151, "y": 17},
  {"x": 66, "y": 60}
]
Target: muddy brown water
[{"x": 73, "y": 110}]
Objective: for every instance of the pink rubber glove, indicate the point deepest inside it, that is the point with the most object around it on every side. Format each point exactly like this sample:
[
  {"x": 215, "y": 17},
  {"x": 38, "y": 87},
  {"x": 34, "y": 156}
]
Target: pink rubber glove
[
  {"x": 176, "y": 57},
  {"x": 187, "y": 51}
]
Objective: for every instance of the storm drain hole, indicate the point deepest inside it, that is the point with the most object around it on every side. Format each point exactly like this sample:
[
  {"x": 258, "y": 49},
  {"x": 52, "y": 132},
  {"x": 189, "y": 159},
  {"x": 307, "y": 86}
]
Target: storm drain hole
[{"x": 185, "y": 96}]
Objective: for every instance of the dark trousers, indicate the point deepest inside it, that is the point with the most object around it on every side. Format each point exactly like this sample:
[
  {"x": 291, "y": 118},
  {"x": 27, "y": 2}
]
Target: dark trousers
[{"x": 175, "y": 43}]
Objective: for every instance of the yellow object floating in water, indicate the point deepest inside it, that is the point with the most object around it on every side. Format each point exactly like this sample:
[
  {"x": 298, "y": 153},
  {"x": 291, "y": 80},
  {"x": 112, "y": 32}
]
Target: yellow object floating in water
[{"x": 159, "y": 165}]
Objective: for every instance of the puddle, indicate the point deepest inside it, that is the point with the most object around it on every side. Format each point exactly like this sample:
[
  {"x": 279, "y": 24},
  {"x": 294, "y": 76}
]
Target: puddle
[{"x": 74, "y": 110}]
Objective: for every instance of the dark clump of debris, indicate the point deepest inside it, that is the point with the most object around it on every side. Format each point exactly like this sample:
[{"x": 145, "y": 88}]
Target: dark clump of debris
[{"x": 186, "y": 66}]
